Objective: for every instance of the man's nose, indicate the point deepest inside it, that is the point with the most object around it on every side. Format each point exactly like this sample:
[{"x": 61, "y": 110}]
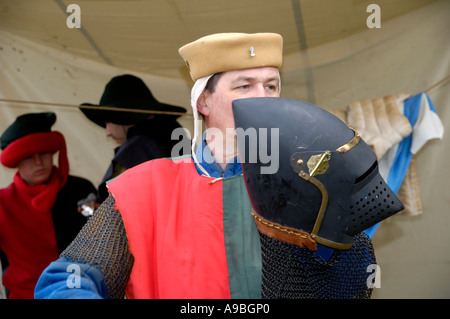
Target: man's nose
[
  {"x": 260, "y": 91},
  {"x": 108, "y": 131},
  {"x": 37, "y": 158}
]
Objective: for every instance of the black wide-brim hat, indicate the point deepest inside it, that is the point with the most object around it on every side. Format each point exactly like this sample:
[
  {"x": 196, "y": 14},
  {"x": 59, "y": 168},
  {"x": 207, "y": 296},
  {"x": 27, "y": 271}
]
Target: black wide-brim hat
[{"x": 127, "y": 92}]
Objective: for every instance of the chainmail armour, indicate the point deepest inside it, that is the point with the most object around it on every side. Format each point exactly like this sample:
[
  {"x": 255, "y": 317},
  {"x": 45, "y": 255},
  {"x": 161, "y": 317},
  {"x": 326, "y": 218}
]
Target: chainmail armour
[
  {"x": 290, "y": 272},
  {"x": 103, "y": 243}
]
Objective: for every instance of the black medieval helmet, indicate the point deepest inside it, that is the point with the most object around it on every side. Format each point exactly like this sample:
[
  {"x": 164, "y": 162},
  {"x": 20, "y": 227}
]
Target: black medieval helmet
[{"x": 326, "y": 187}]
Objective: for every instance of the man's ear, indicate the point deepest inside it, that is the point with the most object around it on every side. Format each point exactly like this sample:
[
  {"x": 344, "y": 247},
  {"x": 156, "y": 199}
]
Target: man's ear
[{"x": 202, "y": 105}]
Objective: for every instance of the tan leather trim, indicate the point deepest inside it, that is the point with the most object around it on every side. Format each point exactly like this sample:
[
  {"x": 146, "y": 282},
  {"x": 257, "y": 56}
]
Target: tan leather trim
[{"x": 285, "y": 234}]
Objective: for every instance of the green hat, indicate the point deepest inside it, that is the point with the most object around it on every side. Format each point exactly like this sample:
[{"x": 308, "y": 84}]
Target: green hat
[
  {"x": 27, "y": 124},
  {"x": 128, "y": 92}
]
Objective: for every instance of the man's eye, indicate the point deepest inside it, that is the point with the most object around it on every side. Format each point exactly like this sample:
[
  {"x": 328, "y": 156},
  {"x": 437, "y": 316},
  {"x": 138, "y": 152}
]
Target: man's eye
[
  {"x": 242, "y": 87},
  {"x": 272, "y": 88}
]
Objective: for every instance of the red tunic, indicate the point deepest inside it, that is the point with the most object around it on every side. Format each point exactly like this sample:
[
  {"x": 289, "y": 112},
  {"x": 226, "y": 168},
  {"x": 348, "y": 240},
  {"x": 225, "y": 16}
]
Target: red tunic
[{"x": 174, "y": 219}]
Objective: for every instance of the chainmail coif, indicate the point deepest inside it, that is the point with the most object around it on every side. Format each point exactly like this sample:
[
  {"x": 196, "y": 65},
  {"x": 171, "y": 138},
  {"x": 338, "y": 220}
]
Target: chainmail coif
[
  {"x": 290, "y": 272},
  {"x": 103, "y": 243}
]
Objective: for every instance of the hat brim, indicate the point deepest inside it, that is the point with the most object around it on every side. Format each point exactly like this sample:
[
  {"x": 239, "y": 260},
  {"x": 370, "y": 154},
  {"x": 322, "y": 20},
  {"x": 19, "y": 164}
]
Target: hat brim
[
  {"x": 24, "y": 147},
  {"x": 99, "y": 115}
]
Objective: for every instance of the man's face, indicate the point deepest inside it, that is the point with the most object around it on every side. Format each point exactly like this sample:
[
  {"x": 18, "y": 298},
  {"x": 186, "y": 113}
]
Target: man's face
[
  {"x": 239, "y": 84},
  {"x": 117, "y": 132},
  {"x": 36, "y": 169}
]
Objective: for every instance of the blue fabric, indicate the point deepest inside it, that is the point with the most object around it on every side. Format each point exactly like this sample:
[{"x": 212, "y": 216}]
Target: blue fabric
[
  {"x": 65, "y": 279},
  {"x": 403, "y": 156},
  {"x": 209, "y": 163}
]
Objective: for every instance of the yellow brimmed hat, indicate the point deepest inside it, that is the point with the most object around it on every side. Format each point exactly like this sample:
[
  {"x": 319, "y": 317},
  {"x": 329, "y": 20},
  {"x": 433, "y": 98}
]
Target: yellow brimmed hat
[{"x": 232, "y": 51}]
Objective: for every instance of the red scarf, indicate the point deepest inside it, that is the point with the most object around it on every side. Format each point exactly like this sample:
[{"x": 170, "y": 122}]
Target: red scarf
[{"x": 42, "y": 197}]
